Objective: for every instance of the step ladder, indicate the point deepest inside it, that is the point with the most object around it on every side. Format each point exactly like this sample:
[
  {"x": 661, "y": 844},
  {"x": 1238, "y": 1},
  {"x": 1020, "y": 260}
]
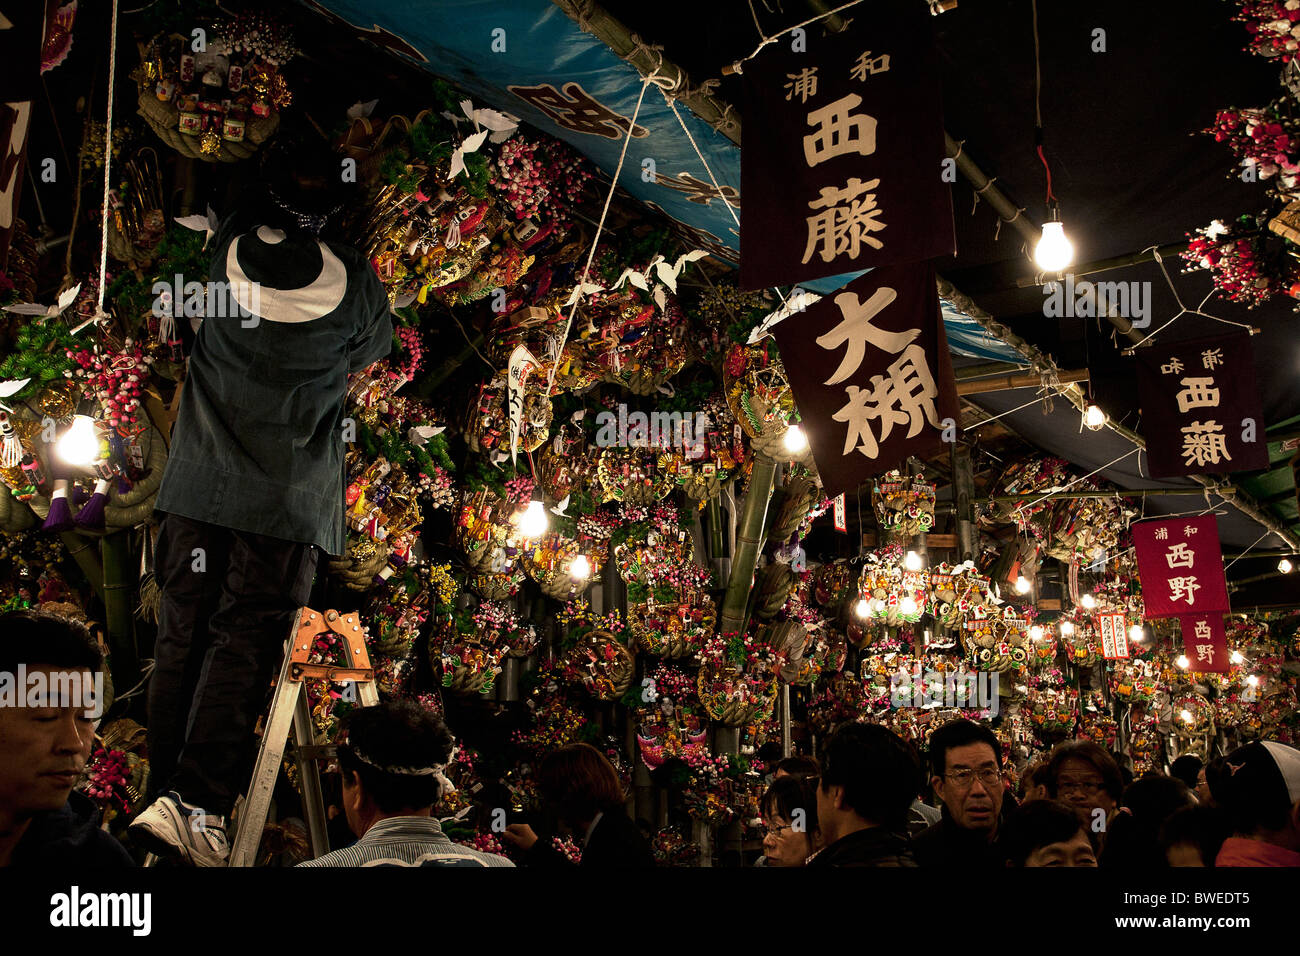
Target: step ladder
[{"x": 290, "y": 712}]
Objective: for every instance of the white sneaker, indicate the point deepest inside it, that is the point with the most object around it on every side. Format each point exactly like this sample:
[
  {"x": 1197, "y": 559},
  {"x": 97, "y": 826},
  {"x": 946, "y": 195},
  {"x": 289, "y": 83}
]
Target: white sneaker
[{"x": 172, "y": 828}]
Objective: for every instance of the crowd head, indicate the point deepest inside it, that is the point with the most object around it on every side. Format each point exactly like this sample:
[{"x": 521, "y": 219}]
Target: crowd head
[
  {"x": 1081, "y": 774},
  {"x": 1047, "y": 833},
  {"x": 868, "y": 778},
  {"x": 791, "y": 831},
  {"x": 966, "y": 765}
]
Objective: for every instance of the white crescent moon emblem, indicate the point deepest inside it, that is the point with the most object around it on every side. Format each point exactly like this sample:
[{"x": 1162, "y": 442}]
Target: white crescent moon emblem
[{"x": 305, "y": 304}]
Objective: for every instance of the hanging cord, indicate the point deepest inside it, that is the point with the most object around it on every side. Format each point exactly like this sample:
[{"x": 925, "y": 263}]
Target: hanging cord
[
  {"x": 595, "y": 241},
  {"x": 1038, "y": 109},
  {"x": 738, "y": 65},
  {"x": 1032, "y": 401},
  {"x": 108, "y": 163},
  {"x": 672, "y": 104},
  {"x": 1266, "y": 533},
  {"x": 1182, "y": 308}
]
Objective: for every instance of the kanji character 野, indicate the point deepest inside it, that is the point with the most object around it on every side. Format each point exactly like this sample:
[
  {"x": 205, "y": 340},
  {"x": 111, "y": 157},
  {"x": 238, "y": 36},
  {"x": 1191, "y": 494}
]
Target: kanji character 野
[
  {"x": 904, "y": 396},
  {"x": 847, "y": 222},
  {"x": 1184, "y": 588}
]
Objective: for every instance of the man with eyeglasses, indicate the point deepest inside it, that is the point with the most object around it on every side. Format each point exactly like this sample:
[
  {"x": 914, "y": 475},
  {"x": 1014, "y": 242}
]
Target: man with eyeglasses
[{"x": 967, "y": 776}]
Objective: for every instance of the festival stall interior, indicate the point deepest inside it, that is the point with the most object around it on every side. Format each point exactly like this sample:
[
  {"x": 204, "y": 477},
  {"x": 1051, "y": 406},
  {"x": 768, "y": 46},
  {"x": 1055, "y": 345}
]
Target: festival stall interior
[{"x": 613, "y": 481}]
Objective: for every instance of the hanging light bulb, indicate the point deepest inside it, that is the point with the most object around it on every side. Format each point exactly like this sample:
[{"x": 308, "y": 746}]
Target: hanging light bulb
[
  {"x": 580, "y": 568},
  {"x": 1236, "y": 657},
  {"x": 1136, "y": 633},
  {"x": 78, "y": 445},
  {"x": 1036, "y": 632},
  {"x": 534, "y": 523},
  {"x": 1067, "y": 628},
  {"x": 907, "y": 606},
  {"x": 1252, "y": 680},
  {"x": 796, "y": 442},
  {"x": 1054, "y": 251},
  {"x": 1023, "y": 585},
  {"x": 1088, "y": 601},
  {"x": 1093, "y": 417},
  {"x": 862, "y": 609},
  {"x": 1285, "y": 566},
  {"x": 1183, "y": 662},
  {"x": 912, "y": 561},
  {"x": 877, "y": 605},
  {"x": 1186, "y": 715}
]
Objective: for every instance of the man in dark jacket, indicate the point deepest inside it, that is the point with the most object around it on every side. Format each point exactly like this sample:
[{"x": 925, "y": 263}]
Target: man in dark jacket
[
  {"x": 48, "y": 709},
  {"x": 967, "y": 777},
  {"x": 253, "y": 491},
  {"x": 868, "y": 781}
]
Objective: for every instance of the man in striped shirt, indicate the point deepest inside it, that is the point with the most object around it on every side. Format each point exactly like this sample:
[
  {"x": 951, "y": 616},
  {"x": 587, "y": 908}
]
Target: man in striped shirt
[{"x": 392, "y": 757}]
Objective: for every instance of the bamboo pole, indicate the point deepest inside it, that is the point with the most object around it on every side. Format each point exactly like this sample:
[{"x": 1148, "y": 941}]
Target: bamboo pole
[
  {"x": 80, "y": 550},
  {"x": 1005, "y": 382},
  {"x": 119, "y": 591},
  {"x": 963, "y": 492},
  {"x": 749, "y": 542}
]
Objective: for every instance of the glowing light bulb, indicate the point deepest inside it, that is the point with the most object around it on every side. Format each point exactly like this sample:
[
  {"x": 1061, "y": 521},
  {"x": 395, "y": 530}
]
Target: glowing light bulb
[
  {"x": 1067, "y": 628},
  {"x": 534, "y": 523},
  {"x": 877, "y": 605},
  {"x": 1186, "y": 715},
  {"x": 78, "y": 445},
  {"x": 912, "y": 561},
  {"x": 1135, "y": 633},
  {"x": 1285, "y": 566},
  {"x": 862, "y": 609},
  {"x": 1054, "y": 251},
  {"x": 580, "y": 568},
  {"x": 1183, "y": 662},
  {"x": 1088, "y": 601},
  {"x": 907, "y": 606},
  {"x": 1252, "y": 680},
  {"x": 796, "y": 441},
  {"x": 1094, "y": 417},
  {"x": 1036, "y": 632},
  {"x": 1236, "y": 657},
  {"x": 1023, "y": 585}
]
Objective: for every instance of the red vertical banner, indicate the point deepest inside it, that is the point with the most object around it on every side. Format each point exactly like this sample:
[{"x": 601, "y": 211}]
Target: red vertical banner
[
  {"x": 1180, "y": 565},
  {"x": 1204, "y": 642}
]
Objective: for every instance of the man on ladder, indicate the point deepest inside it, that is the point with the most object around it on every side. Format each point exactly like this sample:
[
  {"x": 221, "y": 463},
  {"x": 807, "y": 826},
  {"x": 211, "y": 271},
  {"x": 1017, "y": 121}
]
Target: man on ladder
[{"x": 253, "y": 489}]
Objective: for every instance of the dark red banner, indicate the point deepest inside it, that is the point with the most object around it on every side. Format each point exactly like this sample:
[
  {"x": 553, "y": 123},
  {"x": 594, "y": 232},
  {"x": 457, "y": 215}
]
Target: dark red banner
[
  {"x": 842, "y": 150},
  {"x": 871, "y": 374},
  {"x": 1180, "y": 566},
  {"x": 1200, "y": 407},
  {"x": 1204, "y": 642}
]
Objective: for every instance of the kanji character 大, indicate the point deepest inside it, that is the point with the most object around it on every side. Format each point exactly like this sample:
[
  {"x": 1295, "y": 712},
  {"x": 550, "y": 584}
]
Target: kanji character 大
[
  {"x": 575, "y": 109},
  {"x": 855, "y": 331},
  {"x": 1197, "y": 393},
  {"x": 1179, "y": 557},
  {"x": 904, "y": 396},
  {"x": 802, "y": 84},
  {"x": 839, "y": 132},
  {"x": 847, "y": 222},
  {"x": 1184, "y": 588},
  {"x": 1204, "y": 443},
  {"x": 867, "y": 63}
]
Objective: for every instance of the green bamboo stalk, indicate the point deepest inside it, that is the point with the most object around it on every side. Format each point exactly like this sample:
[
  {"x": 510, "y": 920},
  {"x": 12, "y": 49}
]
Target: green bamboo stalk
[
  {"x": 715, "y": 527},
  {"x": 118, "y": 594},
  {"x": 749, "y": 542},
  {"x": 81, "y": 550}
]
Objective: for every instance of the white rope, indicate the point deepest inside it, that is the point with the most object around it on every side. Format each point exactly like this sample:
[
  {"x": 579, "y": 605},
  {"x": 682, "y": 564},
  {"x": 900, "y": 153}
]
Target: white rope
[
  {"x": 108, "y": 161},
  {"x": 705, "y": 163},
  {"x": 1033, "y": 401},
  {"x": 591, "y": 253},
  {"x": 1071, "y": 484},
  {"x": 1182, "y": 309},
  {"x": 736, "y": 67},
  {"x": 1266, "y": 533}
]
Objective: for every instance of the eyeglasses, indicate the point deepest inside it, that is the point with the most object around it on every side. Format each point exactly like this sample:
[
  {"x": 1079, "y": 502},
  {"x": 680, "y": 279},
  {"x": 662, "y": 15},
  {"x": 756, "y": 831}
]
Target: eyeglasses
[
  {"x": 989, "y": 776},
  {"x": 776, "y": 831}
]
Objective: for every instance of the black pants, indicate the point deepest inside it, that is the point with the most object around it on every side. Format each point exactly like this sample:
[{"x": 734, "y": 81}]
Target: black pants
[{"x": 228, "y": 601}]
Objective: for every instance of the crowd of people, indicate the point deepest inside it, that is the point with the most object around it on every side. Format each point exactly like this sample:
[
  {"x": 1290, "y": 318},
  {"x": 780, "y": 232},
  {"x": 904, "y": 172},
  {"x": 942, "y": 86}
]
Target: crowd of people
[{"x": 862, "y": 802}]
